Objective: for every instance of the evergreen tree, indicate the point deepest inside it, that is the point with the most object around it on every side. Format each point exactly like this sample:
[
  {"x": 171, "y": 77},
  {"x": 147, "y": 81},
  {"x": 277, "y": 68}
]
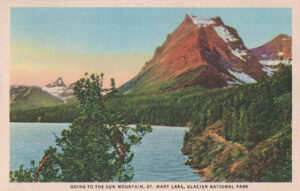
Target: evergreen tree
[{"x": 97, "y": 145}]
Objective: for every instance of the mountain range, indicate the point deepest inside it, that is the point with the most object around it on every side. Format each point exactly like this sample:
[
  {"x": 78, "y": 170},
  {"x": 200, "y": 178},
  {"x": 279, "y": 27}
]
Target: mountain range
[
  {"x": 208, "y": 53},
  {"x": 29, "y": 97},
  {"x": 199, "y": 78},
  {"x": 278, "y": 50},
  {"x": 200, "y": 52},
  {"x": 59, "y": 89}
]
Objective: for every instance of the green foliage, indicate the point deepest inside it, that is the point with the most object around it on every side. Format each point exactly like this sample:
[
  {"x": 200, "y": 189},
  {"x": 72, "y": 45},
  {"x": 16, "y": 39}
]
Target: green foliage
[
  {"x": 22, "y": 175},
  {"x": 257, "y": 116},
  {"x": 270, "y": 160},
  {"x": 59, "y": 114},
  {"x": 97, "y": 145},
  {"x": 251, "y": 113},
  {"x": 22, "y": 97}
]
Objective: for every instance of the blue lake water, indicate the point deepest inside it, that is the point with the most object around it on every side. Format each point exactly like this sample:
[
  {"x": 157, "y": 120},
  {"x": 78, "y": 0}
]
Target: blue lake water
[{"x": 157, "y": 158}]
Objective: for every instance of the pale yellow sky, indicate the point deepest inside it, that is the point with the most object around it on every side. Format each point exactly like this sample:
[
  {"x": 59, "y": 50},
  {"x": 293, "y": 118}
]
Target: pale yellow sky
[{"x": 36, "y": 65}]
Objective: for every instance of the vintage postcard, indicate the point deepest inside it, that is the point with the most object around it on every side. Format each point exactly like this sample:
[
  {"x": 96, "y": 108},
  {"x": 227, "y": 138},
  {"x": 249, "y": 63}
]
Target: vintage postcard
[{"x": 149, "y": 95}]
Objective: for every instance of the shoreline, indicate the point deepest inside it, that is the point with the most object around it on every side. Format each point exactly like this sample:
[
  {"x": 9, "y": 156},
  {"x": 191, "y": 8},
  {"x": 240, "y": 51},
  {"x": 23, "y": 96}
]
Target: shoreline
[{"x": 186, "y": 127}]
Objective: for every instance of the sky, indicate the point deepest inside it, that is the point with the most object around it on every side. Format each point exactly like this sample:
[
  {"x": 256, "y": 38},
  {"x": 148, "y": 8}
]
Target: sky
[{"x": 47, "y": 43}]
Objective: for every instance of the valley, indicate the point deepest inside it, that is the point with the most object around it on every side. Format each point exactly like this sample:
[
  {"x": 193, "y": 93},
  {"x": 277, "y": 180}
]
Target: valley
[{"x": 236, "y": 100}]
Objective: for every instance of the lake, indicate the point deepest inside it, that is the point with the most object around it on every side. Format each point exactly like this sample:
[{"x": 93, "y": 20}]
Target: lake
[{"x": 157, "y": 159}]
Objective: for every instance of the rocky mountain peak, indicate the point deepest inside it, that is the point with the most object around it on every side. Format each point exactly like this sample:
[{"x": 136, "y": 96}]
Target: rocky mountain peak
[
  {"x": 199, "y": 21},
  {"x": 276, "y": 51},
  {"x": 202, "y": 21},
  {"x": 200, "y": 51},
  {"x": 58, "y": 83},
  {"x": 282, "y": 37}
]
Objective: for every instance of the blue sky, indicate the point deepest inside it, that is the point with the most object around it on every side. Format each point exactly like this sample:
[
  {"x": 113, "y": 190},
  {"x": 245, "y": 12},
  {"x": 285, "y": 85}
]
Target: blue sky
[
  {"x": 47, "y": 43},
  {"x": 123, "y": 30}
]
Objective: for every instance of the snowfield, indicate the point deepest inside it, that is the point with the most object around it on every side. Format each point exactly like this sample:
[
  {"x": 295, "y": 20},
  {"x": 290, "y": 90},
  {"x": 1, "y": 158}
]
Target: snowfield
[
  {"x": 224, "y": 34},
  {"x": 55, "y": 91},
  {"x": 274, "y": 62},
  {"x": 242, "y": 77},
  {"x": 230, "y": 83},
  {"x": 280, "y": 53},
  {"x": 239, "y": 53},
  {"x": 270, "y": 71},
  {"x": 228, "y": 37},
  {"x": 202, "y": 21}
]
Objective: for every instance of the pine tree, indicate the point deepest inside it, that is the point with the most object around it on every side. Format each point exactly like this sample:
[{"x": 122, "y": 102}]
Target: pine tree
[{"x": 97, "y": 145}]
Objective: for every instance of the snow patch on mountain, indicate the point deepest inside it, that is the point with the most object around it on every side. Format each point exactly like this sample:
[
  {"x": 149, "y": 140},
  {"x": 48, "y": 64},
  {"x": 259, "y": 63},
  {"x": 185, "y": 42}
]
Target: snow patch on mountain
[
  {"x": 232, "y": 82},
  {"x": 274, "y": 62},
  {"x": 242, "y": 77},
  {"x": 55, "y": 91},
  {"x": 280, "y": 53},
  {"x": 224, "y": 34},
  {"x": 270, "y": 71},
  {"x": 239, "y": 53},
  {"x": 202, "y": 21},
  {"x": 60, "y": 81},
  {"x": 228, "y": 37},
  {"x": 59, "y": 89},
  {"x": 69, "y": 91}
]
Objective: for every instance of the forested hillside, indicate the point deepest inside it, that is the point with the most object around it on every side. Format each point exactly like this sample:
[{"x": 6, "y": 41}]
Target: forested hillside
[
  {"x": 238, "y": 133},
  {"x": 247, "y": 136},
  {"x": 193, "y": 104}
]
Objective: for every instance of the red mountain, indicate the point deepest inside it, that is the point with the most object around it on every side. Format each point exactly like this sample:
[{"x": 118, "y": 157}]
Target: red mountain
[
  {"x": 278, "y": 48},
  {"x": 201, "y": 51}
]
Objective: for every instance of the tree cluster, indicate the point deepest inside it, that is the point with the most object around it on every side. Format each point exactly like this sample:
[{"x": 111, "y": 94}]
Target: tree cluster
[{"x": 96, "y": 147}]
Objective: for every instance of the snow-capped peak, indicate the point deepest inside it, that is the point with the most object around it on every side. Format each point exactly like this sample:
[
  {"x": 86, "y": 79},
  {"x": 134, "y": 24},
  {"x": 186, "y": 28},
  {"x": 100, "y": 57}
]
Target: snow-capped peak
[
  {"x": 202, "y": 21},
  {"x": 59, "y": 82},
  {"x": 56, "y": 88}
]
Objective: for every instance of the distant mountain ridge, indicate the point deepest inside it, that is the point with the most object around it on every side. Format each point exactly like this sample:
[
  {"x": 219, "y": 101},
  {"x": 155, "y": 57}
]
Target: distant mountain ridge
[
  {"x": 201, "y": 51},
  {"x": 59, "y": 89},
  {"x": 29, "y": 97},
  {"x": 59, "y": 82},
  {"x": 276, "y": 51},
  {"x": 278, "y": 48}
]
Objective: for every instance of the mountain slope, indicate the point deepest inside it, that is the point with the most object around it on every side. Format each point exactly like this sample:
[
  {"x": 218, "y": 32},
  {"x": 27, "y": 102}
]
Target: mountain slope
[
  {"x": 30, "y": 97},
  {"x": 200, "y": 52},
  {"x": 245, "y": 133},
  {"x": 277, "y": 50},
  {"x": 24, "y": 97},
  {"x": 55, "y": 88},
  {"x": 60, "y": 90}
]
